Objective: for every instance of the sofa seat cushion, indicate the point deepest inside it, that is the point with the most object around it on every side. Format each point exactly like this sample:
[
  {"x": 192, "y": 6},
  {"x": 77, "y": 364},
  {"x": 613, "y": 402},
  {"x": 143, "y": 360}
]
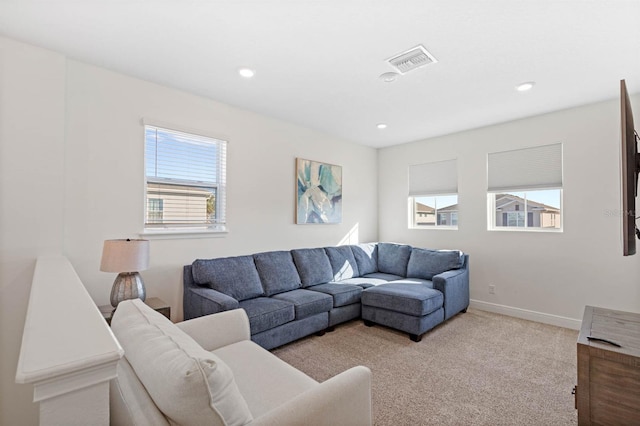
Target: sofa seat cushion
[
  {"x": 343, "y": 263},
  {"x": 426, "y": 264},
  {"x": 384, "y": 276},
  {"x": 306, "y": 302},
  {"x": 277, "y": 272},
  {"x": 420, "y": 281},
  {"x": 234, "y": 276},
  {"x": 195, "y": 386},
  {"x": 313, "y": 266},
  {"x": 393, "y": 258},
  {"x": 364, "y": 282},
  {"x": 266, "y": 313},
  {"x": 264, "y": 380},
  {"x": 412, "y": 299},
  {"x": 366, "y": 256},
  {"x": 342, "y": 294}
]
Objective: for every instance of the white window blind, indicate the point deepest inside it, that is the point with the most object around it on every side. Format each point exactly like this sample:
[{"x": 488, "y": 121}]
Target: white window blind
[
  {"x": 440, "y": 177},
  {"x": 185, "y": 179},
  {"x": 528, "y": 168}
]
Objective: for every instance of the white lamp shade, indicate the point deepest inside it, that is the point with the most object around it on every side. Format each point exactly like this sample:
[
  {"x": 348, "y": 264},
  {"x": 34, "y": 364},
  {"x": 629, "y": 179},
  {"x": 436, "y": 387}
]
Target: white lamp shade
[{"x": 125, "y": 255}]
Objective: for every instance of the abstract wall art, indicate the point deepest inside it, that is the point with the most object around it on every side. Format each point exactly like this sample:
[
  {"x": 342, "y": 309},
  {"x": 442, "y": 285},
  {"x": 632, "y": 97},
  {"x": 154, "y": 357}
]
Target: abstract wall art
[{"x": 318, "y": 192}]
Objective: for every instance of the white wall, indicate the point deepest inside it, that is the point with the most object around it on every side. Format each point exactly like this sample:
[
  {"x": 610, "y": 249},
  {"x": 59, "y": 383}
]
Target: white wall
[
  {"x": 105, "y": 181},
  {"x": 71, "y": 176},
  {"x": 549, "y": 277},
  {"x": 31, "y": 212}
]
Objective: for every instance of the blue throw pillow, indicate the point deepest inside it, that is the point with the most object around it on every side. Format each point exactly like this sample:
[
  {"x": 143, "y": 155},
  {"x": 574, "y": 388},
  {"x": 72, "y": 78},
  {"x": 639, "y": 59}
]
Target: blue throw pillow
[
  {"x": 313, "y": 266},
  {"x": 234, "y": 276},
  {"x": 426, "y": 264},
  {"x": 343, "y": 263},
  {"x": 393, "y": 258},
  {"x": 277, "y": 272},
  {"x": 366, "y": 256}
]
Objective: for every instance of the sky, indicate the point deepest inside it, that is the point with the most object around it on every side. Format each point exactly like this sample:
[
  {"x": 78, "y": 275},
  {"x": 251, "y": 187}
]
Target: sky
[{"x": 550, "y": 197}]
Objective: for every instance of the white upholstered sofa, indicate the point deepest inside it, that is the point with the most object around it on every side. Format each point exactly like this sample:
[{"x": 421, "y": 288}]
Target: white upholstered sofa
[{"x": 208, "y": 371}]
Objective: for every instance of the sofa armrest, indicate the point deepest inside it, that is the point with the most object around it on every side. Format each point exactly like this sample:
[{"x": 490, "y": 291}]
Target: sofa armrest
[
  {"x": 454, "y": 285},
  {"x": 342, "y": 400},
  {"x": 204, "y": 301},
  {"x": 218, "y": 330}
]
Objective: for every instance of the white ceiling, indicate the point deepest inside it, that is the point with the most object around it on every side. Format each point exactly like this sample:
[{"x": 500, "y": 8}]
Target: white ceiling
[{"x": 317, "y": 62}]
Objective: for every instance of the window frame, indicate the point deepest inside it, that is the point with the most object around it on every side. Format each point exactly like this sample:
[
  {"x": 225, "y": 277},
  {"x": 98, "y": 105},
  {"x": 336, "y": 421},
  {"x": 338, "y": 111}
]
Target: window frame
[
  {"x": 435, "y": 179},
  {"x": 525, "y": 170},
  {"x": 195, "y": 230}
]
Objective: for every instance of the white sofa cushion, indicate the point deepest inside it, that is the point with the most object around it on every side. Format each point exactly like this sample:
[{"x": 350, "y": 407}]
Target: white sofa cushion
[
  {"x": 264, "y": 380},
  {"x": 188, "y": 384}
]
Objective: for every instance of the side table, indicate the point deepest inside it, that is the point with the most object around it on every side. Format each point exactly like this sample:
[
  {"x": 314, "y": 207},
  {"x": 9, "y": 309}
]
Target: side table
[{"x": 154, "y": 302}]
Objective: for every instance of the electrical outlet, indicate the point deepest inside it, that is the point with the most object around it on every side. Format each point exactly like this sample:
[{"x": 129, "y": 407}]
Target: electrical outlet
[{"x": 492, "y": 289}]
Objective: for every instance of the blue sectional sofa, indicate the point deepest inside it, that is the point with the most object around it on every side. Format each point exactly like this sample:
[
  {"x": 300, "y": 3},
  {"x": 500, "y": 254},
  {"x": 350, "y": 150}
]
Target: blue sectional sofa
[{"x": 291, "y": 294}]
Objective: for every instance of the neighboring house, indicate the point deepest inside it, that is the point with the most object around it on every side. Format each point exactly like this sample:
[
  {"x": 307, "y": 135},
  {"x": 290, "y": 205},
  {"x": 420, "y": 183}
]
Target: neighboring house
[
  {"x": 448, "y": 216},
  {"x": 425, "y": 215},
  {"x": 179, "y": 205},
  {"x": 510, "y": 211}
]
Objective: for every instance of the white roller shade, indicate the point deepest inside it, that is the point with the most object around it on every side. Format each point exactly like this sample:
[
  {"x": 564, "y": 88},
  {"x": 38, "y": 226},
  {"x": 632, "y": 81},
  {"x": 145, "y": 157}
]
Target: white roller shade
[
  {"x": 528, "y": 168},
  {"x": 440, "y": 177}
]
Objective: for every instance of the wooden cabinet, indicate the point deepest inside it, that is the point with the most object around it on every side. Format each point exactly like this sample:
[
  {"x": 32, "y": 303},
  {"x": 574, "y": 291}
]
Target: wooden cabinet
[{"x": 608, "y": 391}]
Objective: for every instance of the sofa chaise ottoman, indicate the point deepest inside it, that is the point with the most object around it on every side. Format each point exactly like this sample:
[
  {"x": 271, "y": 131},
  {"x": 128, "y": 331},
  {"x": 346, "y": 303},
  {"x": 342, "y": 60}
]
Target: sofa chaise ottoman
[
  {"x": 207, "y": 371},
  {"x": 415, "y": 305}
]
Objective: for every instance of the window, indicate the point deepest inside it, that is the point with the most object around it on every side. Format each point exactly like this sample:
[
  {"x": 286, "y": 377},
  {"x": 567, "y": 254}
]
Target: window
[
  {"x": 433, "y": 198},
  {"x": 434, "y": 211},
  {"x": 185, "y": 180},
  {"x": 154, "y": 210},
  {"x": 525, "y": 189}
]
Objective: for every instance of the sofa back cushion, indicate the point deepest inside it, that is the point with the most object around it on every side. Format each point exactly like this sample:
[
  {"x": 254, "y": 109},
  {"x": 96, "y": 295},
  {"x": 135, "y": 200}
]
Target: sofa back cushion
[
  {"x": 313, "y": 266},
  {"x": 277, "y": 272},
  {"x": 393, "y": 258},
  {"x": 426, "y": 264},
  {"x": 366, "y": 256},
  {"x": 188, "y": 384},
  {"x": 343, "y": 263},
  {"x": 234, "y": 276}
]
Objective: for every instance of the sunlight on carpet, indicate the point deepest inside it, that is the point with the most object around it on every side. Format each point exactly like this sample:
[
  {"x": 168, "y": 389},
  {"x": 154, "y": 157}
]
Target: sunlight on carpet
[{"x": 477, "y": 368}]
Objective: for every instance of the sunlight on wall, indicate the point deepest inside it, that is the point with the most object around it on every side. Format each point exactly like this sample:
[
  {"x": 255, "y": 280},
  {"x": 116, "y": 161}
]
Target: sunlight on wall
[{"x": 351, "y": 237}]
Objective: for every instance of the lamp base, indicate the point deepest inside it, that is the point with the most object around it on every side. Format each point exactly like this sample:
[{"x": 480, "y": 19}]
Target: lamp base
[{"x": 128, "y": 285}]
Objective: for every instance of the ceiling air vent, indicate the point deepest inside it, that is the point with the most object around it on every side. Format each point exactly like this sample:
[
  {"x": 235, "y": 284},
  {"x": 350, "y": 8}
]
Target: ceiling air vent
[{"x": 412, "y": 59}]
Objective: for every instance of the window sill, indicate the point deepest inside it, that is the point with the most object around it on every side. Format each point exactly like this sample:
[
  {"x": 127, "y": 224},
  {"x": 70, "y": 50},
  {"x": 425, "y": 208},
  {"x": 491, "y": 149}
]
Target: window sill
[
  {"x": 187, "y": 233},
  {"x": 434, "y": 228},
  {"x": 519, "y": 229}
]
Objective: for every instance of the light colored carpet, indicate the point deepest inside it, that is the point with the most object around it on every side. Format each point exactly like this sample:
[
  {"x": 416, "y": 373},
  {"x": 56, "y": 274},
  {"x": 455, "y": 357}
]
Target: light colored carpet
[{"x": 477, "y": 368}]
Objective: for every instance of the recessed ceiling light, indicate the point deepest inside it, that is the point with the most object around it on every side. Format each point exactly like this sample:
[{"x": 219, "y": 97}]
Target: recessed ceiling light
[
  {"x": 246, "y": 72},
  {"x": 381, "y": 126},
  {"x": 523, "y": 87}
]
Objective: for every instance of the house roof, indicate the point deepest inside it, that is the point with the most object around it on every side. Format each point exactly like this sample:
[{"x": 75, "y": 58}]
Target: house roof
[
  {"x": 422, "y": 208},
  {"x": 451, "y": 208}
]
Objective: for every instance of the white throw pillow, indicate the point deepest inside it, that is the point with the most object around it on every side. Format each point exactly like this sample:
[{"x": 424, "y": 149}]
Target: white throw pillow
[{"x": 190, "y": 385}]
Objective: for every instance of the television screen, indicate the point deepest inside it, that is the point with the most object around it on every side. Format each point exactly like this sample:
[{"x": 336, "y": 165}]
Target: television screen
[{"x": 630, "y": 168}]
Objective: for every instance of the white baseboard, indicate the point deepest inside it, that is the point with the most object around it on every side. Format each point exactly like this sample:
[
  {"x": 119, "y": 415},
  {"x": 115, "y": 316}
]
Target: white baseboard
[{"x": 526, "y": 314}]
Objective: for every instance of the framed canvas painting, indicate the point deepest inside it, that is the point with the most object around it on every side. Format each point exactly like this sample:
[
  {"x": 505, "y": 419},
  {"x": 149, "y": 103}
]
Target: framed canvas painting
[{"x": 318, "y": 192}]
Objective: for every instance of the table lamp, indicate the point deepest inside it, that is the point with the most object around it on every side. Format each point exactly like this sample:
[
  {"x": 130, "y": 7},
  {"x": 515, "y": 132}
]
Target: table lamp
[{"x": 126, "y": 257}]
